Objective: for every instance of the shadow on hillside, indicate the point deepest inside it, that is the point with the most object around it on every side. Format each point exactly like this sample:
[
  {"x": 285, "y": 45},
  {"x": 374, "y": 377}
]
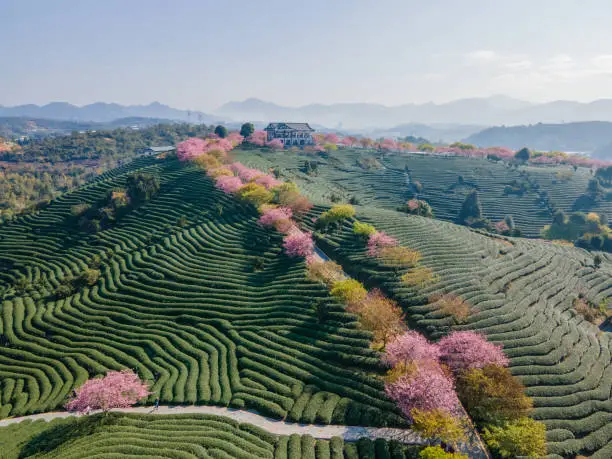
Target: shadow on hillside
[{"x": 58, "y": 435}]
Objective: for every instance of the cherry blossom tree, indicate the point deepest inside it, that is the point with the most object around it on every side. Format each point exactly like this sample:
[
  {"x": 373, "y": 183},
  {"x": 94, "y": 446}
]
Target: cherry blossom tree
[
  {"x": 118, "y": 389},
  {"x": 466, "y": 349},
  {"x": 268, "y": 181},
  {"x": 275, "y": 144},
  {"x": 235, "y": 139},
  {"x": 378, "y": 241},
  {"x": 228, "y": 184},
  {"x": 409, "y": 347},
  {"x": 424, "y": 387},
  {"x": 258, "y": 138},
  {"x": 190, "y": 148},
  {"x": 245, "y": 173},
  {"x": 331, "y": 138},
  {"x": 299, "y": 244},
  {"x": 270, "y": 216}
]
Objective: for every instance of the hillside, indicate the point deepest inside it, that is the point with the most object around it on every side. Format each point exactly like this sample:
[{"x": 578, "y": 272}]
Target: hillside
[
  {"x": 392, "y": 182},
  {"x": 198, "y": 298},
  {"x": 577, "y": 137}
]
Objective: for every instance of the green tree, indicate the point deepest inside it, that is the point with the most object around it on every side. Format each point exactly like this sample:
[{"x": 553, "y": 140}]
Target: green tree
[
  {"x": 246, "y": 130},
  {"x": 471, "y": 208},
  {"x": 221, "y": 131},
  {"x": 142, "y": 186},
  {"x": 523, "y": 154},
  {"x": 524, "y": 437}
]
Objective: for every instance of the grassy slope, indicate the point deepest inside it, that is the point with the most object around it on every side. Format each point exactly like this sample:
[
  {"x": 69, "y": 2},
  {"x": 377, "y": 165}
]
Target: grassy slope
[
  {"x": 177, "y": 436},
  {"x": 183, "y": 306}
]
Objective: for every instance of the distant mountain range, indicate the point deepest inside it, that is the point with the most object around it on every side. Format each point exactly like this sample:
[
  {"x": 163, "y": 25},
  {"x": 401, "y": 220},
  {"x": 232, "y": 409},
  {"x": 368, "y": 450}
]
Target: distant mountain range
[
  {"x": 103, "y": 113},
  {"x": 489, "y": 111}
]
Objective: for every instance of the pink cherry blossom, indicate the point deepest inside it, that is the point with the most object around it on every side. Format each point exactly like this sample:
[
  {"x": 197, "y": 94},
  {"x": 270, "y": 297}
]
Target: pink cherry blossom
[
  {"x": 466, "y": 349},
  {"x": 331, "y": 138},
  {"x": 275, "y": 144},
  {"x": 118, "y": 389},
  {"x": 413, "y": 204},
  {"x": 411, "y": 346},
  {"x": 426, "y": 388},
  {"x": 245, "y": 173},
  {"x": 271, "y": 216},
  {"x": 378, "y": 241},
  {"x": 228, "y": 184},
  {"x": 190, "y": 148},
  {"x": 258, "y": 138},
  {"x": 268, "y": 181},
  {"x": 235, "y": 138},
  {"x": 298, "y": 244}
]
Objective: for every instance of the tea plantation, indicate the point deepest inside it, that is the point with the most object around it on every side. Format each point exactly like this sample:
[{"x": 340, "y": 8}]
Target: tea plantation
[
  {"x": 445, "y": 182},
  {"x": 178, "y": 436},
  {"x": 208, "y": 311},
  {"x": 521, "y": 292}
]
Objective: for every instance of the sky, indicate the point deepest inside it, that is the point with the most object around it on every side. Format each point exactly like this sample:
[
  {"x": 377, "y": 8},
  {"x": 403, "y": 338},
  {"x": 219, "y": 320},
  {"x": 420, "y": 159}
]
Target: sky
[{"x": 199, "y": 54}]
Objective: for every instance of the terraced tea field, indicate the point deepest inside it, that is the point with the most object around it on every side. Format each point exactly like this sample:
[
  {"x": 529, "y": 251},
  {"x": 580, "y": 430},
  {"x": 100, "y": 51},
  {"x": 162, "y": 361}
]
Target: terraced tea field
[
  {"x": 389, "y": 187},
  {"x": 178, "y": 436},
  {"x": 521, "y": 292},
  {"x": 209, "y": 313}
]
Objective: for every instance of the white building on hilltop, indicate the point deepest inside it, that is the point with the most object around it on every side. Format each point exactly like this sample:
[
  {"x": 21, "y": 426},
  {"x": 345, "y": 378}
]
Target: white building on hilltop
[{"x": 298, "y": 134}]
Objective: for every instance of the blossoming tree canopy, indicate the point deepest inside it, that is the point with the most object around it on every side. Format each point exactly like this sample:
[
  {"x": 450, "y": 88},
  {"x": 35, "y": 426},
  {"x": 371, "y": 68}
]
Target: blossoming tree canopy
[
  {"x": 409, "y": 347},
  {"x": 378, "y": 241},
  {"x": 118, "y": 389},
  {"x": 466, "y": 349},
  {"x": 190, "y": 148},
  {"x": 425, "y": 387},
  {"x": 299, "y": 244},
  {"x": 275, "y": 144},
  {"x": 228, "y": 184},
  {"x": 258, "y": 138},
  {"x": 271, "y": 216}
]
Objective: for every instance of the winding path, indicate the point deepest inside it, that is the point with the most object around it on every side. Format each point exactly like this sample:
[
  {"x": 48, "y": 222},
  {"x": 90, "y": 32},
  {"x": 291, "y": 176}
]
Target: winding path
[{"x": 348, "y": 433}]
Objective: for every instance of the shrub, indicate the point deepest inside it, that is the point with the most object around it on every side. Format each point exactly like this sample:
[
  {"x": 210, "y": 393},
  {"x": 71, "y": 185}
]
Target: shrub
[
  {"x": 79, "y": 209},
  {"x": 420, "y": 277},
  {"x": 271, "y": 215},
  {"x": 142, "y": 186},
  {"x": 589, "y": 311},
  {"x": 363, "y": 229},
  {"x": 349, "y": 291},
  {"x": 452, "y": 305},
  {"x": 228, "y": 184},
  {"x": 438, "y": 424},
  {"x": 63, "y": 291},
  {"x": 337, "y": 214},
  {"x": 436, "y": 452},
  {"x": 410, "y": 346},
  {"x": 492, "y": 395},
  {"x": 466, "y": 349},
  {"x": 524, "y": 437},
  {"x": 471, "y": 208}
]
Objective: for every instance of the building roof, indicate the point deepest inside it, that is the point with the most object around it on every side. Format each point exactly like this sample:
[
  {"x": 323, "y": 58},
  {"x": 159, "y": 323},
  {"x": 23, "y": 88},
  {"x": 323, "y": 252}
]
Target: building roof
[
  {"x": 161, "y": 149},
  {"x": 294, "y": 126}
]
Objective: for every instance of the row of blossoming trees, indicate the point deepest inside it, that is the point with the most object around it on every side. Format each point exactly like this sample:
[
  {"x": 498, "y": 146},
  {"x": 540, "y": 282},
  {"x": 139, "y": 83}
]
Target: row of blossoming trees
[{"x": 331, "y": 141}]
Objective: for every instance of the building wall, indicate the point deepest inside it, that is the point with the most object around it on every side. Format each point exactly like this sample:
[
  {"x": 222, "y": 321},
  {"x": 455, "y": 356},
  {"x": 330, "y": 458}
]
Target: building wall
[{"x": 291, "y": 138}]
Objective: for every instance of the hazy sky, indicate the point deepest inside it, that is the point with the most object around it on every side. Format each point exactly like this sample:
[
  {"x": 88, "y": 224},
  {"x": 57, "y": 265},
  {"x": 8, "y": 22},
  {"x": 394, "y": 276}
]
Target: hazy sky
[{"x": 200, "y": 54}]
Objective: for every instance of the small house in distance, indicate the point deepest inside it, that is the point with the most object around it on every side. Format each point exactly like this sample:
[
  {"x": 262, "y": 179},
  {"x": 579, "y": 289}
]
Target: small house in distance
[
  {"x": 155, "y": 150},
  {"x": 290, "y": 134}
]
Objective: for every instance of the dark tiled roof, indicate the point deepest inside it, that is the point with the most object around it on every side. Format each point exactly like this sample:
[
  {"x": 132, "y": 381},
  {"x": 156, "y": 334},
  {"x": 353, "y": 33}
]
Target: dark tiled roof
[{"x": 295, "y": 126}]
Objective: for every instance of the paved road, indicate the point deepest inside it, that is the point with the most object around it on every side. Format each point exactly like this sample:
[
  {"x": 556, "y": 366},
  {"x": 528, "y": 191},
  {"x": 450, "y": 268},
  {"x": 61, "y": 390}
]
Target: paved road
[{"x": 349, "y": 433}]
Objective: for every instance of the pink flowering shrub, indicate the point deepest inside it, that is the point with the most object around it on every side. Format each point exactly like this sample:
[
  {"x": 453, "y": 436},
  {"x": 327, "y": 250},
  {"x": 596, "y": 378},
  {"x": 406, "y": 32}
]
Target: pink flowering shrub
[
  {"x": 409, "y": 347},
  {"x": 118, "y": 389},
  {"x": 235, "y": 138},
  {"x": 413, "y": 204},
  {"x": 331, "y": 138},
  {"x": 501, "y": 227},
  {"x": 466, "y": 349},
  {"x": 228, "y": 184},
  {"x": 424, "y": 387},
  {"x": 388, "y": 145},
  {"x": 275, "y": 144},
  {"x": 299, "y": 244},
  {"x": 378, "y": 241},
  {"x": 271, "y": 216},
  {"x": 267, "y": 181},
  {"x": 258, "y": 138}
]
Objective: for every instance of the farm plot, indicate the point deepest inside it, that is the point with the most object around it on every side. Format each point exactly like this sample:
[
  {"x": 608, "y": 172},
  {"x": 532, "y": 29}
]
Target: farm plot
[
  {"x": 208, "y": 312},
  {"x": 178, "y": 436},
  {"x": 521, "y": 293}
]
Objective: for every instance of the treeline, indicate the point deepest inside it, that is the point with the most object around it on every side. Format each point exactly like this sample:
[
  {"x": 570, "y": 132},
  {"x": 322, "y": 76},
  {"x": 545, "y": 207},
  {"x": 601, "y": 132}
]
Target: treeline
[{"x": 40, "y": 170}]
